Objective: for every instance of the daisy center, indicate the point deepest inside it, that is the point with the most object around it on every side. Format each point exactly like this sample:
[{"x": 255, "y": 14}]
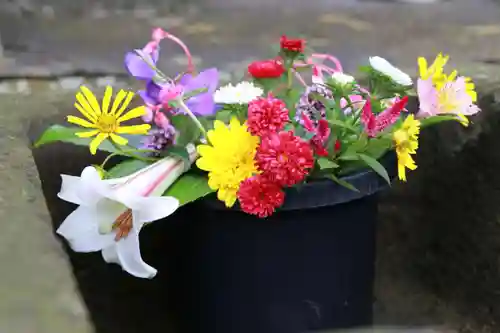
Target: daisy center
[
  {"x": 107, "y": 123},
  {"x": 123, "y": 224}
]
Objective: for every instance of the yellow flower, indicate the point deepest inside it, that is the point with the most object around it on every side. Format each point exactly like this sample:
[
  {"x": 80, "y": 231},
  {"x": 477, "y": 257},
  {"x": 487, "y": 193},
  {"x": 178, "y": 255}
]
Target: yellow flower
[
  {"x": 435, "y": 71},
  {"x": 104, "y": 122},
  {"x": 439, "y": 78},
  {"x": 406, "y": 142},
  {"x": 229, "y": 158}
]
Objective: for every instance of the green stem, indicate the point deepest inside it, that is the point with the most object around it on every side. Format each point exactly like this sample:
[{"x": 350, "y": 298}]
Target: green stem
[
  {"x": 184, "y": 107},
  {"x": 290, "y": 78},
  {"x": 127, "y": 153}
]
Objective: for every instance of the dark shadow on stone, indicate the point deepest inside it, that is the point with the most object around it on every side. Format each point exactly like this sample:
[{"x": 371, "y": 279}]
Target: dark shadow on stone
[
  {"x": 116, "y": 301},
  {"x": 443, "y": 227}
]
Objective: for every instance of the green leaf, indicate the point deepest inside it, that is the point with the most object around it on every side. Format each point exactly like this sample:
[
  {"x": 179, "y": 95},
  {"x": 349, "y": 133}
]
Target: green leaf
[
  {"x": 341, "y": 124},
  {"x": 376, "y": 166},
  {"x": 187, "y": 130},
  {"x": 357, "y": 146},
  {"x": 59, "y": 133},
  {"x": 377, "y": 147},
  {"x": 188, "y": 188},
  {"x": 437, "y": 119},
  {"x": 289, "y": 127},
  {"x": 342, "y": 182},
  {"x": 126, "y": 168},
  {"x": 224, "y": 115},
  {"x": 325, "y": 163}
]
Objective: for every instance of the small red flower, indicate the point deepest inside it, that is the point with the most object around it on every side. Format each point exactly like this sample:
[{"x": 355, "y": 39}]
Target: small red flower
[
  {"x": 259, "y": 196},
  {"x": 338, "y": 146},
  {"x": 284, "y": 158},
  {"x": 292, "y": 44},
  {"x": 266, "y": 114},
  {"x": 264, "y": 69}
]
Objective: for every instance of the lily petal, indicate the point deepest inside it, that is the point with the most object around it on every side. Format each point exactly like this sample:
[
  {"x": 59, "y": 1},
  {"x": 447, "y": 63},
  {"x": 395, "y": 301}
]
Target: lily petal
[
  {"x": 70, "y": 188},
  {"x": 82, "y": 232},
  {"x": 129, "y": 256},
  {"x": 150, "y": 209}
]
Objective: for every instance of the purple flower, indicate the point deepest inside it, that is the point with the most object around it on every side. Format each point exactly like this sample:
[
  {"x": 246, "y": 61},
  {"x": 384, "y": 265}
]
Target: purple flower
[
  {"x": 151, "y": 95},
  {"x": 137, "y": 66},
  {"x": 309, "y": 104},
  {"x": 159, "y": 138},
  {"x": 201, "y": 104}
]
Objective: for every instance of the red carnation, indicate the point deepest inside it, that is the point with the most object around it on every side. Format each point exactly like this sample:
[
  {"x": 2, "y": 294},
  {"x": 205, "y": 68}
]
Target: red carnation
[
  {"x": 266, "y": 114},
  {"x": 264, "y": 69},
  {"x": 284, "y": 158},
  {"x": 259, "y": 196},
  {"x": 292, "y": 44}
]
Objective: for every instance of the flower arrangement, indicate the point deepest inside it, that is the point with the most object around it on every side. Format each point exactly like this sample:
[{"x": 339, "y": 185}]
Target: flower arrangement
[{"x": 293, "y": 119}]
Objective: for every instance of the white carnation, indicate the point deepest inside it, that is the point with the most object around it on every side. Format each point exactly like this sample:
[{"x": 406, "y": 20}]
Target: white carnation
[
  {"x": 242, "y": 93},
  {"x": 342, "y": 78},
  {"x": 383, "y": 66}
]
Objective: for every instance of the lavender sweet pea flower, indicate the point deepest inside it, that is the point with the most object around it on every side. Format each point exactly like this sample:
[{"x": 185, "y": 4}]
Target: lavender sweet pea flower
[
  {"x": 151, "y": 95},
  {"x": 136, "y": 63},
  {"x": 201, "y": 104}
]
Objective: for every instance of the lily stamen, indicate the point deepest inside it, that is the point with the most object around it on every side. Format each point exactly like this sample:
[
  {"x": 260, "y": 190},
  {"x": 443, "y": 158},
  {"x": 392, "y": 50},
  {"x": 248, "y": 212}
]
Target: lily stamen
[{"x": 123, "y": 224}]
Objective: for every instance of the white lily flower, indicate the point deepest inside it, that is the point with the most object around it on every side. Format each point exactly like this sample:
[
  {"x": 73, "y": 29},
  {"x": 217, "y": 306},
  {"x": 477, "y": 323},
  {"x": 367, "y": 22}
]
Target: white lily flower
[
  {"x": 386, "y": 68},
  {"x": 112, "y": 212}
]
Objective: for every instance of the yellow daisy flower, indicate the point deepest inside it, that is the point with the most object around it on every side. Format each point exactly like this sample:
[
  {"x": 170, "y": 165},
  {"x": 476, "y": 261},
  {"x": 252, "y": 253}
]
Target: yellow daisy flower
[
  {"x": 406, "y": 142},
  {"x": 104, "y": 122},
  {"x": 228, "y": 158}
]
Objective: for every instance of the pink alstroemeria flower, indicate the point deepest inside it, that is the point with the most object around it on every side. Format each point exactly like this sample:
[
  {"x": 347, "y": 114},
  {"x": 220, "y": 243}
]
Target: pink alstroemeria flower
[
  {"x": 374, "y": 124},
  {"x": 452, "y": 98}
]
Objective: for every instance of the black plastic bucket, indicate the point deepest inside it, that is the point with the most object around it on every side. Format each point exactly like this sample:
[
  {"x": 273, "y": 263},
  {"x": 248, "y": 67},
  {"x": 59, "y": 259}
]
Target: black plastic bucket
[{"x": 309, "y": 267}]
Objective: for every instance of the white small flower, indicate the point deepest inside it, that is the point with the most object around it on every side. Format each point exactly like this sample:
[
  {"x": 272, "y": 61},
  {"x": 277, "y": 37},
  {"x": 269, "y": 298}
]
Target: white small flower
[
  {"x": 383, "y": 66},
  {"x": 243, "y": 93},
  {"x": 112, "y": 212},
  {"x": 342, "y": 78}
]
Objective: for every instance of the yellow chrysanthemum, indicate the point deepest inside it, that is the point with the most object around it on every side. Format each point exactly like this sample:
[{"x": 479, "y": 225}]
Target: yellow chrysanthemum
[
  {"x": 406, "y": 142},
  {"x": 229, "y": 158},
  {"x": 104, "y": 122}
]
